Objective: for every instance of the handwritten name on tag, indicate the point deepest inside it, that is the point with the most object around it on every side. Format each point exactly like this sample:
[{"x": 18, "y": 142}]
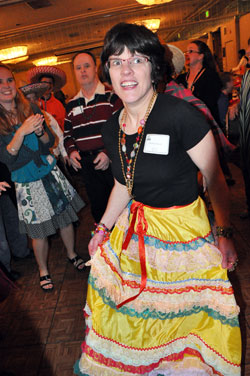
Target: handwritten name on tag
[{"x": 157, "y": 144}]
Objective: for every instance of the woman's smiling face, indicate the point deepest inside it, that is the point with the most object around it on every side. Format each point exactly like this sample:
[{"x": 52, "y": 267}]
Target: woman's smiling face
[
  {"x": 7, "y": 87},
  {"x": 131, "y": 78}
]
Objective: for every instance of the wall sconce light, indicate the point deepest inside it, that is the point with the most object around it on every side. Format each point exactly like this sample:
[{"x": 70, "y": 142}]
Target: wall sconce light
[
  {"x": 11, "y": 53},
  {"x": 50, "y": 60}
]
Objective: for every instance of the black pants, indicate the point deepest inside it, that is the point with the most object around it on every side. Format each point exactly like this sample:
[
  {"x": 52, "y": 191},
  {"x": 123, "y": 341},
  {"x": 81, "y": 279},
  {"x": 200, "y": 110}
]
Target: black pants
[{"x": 98, "y": 185}]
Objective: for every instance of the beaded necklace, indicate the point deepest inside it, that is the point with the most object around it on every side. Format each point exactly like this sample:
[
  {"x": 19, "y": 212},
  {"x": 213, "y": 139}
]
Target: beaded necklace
[{"x": 131, "y": 160}]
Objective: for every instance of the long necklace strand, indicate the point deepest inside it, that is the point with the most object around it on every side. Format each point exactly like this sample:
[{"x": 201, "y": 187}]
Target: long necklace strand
[
  {"x": 196, "y": 78},
  {"x": 131, "y": 160}
]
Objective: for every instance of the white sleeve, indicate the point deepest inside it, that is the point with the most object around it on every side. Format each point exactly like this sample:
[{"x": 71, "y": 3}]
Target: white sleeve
[{"x": 242, "y": 62}]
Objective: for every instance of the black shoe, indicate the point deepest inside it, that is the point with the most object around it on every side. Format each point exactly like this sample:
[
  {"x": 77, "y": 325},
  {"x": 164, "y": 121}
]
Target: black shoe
[{"x": 14, "y": 275}]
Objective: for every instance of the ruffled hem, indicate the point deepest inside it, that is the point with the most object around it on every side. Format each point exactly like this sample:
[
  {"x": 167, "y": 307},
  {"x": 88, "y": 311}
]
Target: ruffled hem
[
  {"x": 77, "y": 370},
  {"x": 193, "y": 365},
  {"x": 171, "y": 297},
  {"x": 47, "y": 228}
]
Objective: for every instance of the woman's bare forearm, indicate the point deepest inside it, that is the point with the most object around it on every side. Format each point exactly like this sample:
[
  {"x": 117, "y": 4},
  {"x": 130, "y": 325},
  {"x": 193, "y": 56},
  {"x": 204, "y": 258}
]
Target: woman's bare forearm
[
  {"x": 16, "y": 142},
  {"x": 118, "y": 200}
]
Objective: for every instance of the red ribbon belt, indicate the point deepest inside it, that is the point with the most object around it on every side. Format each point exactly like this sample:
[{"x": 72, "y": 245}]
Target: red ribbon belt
[{"x": 141, "y": 230}]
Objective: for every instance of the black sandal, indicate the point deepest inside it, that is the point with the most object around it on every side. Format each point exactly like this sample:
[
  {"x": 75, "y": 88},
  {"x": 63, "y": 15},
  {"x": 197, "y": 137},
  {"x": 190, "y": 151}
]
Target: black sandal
[
  {"x": 77, "y": 262},
  {"x": 46, "y": 278}
]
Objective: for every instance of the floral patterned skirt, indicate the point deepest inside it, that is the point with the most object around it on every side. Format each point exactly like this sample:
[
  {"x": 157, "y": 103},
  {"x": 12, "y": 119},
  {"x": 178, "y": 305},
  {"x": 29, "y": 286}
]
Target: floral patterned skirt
[
  {"x": 47, "y": 204},
  {"x": 159, "y": 302}
]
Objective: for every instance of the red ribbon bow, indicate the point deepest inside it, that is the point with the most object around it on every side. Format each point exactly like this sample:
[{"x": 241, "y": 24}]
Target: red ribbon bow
[{"x": 141, "y": 229}]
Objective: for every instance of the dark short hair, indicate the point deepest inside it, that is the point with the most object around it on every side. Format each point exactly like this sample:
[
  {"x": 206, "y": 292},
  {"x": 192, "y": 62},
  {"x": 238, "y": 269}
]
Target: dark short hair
[
  {"x": 88, "y": 52},
  {"x": 136, "y": 38},
  {"x": 242, "y": 52},
  {"x": 208, "y": 60},
  {"x": 47, "y": 76},
  {"x": 225, "y": 77}
]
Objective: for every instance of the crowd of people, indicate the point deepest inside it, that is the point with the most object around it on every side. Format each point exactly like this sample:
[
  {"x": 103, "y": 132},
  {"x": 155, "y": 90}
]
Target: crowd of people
[{"x": 148, "y": 137}]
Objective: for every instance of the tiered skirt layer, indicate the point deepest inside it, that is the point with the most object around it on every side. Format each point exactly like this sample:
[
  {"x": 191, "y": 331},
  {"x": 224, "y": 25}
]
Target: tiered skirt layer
[{"x": 184, "y": 321}]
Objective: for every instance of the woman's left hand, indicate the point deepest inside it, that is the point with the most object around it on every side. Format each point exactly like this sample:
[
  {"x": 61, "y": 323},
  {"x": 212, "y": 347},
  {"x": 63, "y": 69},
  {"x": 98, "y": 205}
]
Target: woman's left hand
[
  {"x": 94, "y": 242},
  {"x": 229, "y": 255}
]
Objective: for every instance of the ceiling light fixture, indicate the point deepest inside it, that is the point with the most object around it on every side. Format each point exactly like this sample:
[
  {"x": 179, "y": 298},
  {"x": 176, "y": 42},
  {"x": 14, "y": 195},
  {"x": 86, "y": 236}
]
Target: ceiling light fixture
[
  {"x": 16, "y": 60},
  {"x": 69, "y": 60},
  {"x": 12, "y": 53},
  {"x": 50, "y": 60},
  {"x": 152, "y": 24},
  {"x": 153, "y": 2}
]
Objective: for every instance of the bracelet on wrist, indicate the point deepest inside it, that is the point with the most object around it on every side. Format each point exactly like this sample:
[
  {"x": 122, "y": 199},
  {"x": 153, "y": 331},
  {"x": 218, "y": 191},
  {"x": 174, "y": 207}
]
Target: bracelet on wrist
[
  {"x": 100, "y": 229},
  {"x": 224, "y": 232},
  {"x": 40, "y": 135}
]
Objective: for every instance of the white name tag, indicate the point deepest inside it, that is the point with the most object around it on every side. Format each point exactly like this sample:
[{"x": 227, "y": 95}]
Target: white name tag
[
  {"x": 77, "y": 110},
  {"x": 157, "y": 144}
]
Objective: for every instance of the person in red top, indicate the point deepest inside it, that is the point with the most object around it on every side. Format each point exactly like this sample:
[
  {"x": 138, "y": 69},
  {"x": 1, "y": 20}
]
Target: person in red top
[{"x": 56, "y": 79}]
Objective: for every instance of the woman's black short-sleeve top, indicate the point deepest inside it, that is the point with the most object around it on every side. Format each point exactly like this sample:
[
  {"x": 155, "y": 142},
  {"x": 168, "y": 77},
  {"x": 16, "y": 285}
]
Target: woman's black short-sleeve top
[{"x": 161, "y": 180}]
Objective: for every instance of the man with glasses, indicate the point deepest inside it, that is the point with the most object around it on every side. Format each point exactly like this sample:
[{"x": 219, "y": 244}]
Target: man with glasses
[{"x": 86, "y": 113}]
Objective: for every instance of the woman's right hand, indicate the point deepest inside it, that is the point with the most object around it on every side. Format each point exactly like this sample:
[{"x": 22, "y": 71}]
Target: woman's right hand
[
  {"x": 3, "y": 186},
  {"x": 74, "y": 160},
  {"x": 228, "y": 252},
  {"x": 94, "y": 242},
  {"x": 33, "y": 123}
]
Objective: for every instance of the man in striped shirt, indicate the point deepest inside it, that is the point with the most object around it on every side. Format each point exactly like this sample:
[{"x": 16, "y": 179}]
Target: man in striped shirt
[{"x": 86, "y": 113}]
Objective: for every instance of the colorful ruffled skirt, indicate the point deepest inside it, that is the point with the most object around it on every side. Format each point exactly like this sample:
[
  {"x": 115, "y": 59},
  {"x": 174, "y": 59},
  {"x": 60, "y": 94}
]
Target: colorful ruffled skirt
[
  {"x": 47, "y": 204},
  {"x": 159, "y": 302}
]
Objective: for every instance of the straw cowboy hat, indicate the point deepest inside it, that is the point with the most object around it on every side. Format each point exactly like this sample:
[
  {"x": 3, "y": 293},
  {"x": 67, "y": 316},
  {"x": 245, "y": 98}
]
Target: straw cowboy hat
[
  {"x": 178, "y": 58},
  {"x": 39, "y": 89},
  {"x": 34, "y": 75}
]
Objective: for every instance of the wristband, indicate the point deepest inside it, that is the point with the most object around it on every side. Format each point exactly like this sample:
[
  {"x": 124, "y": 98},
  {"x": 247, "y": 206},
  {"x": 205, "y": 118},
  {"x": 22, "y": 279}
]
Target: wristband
[{"x": 40, "y": 135}]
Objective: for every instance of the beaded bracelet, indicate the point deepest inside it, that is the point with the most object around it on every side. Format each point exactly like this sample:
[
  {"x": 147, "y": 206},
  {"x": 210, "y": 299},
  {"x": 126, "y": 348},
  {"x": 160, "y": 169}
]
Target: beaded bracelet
[{"x": 100, "y": 229}]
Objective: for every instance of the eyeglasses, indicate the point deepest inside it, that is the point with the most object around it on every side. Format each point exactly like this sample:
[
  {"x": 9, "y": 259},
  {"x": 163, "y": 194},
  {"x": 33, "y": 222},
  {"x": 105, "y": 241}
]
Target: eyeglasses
[
  {"x": 134, "y": 61},
  {"x": 191, "y": 52}
]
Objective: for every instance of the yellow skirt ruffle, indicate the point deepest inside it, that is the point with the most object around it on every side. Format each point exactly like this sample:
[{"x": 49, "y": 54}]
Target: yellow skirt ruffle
[{"x": 185, "y": 320}]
